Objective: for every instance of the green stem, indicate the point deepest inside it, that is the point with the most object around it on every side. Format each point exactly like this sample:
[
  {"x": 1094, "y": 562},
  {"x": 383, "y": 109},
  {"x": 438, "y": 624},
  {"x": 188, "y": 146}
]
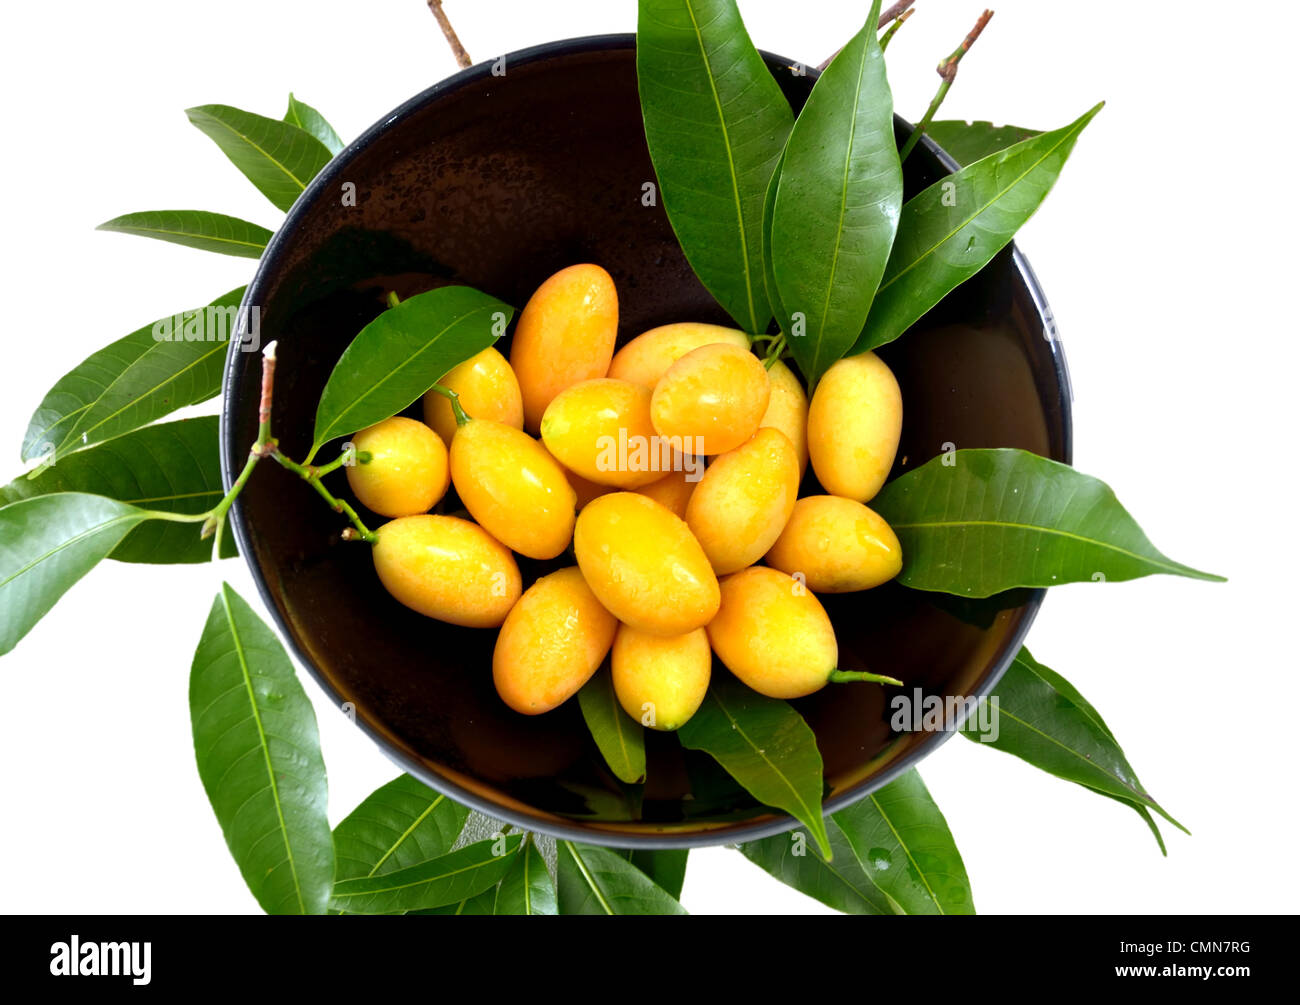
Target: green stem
[
  {"x": 393, "y": 299},
  {"x": 774, "y": 352},
  {"x": 846, "y": 676},
  {"x": 947, "y": 70},
  {"x": 311, "y": 475},
  {"x": 349, "y": 455},
  {"x": 454, "y": 398},
  {"x": 898, "y": 23}
]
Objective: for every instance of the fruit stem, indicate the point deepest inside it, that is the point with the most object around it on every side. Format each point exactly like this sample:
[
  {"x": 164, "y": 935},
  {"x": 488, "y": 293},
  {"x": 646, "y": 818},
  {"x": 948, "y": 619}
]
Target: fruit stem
[
  {"x": 774, "y": 352},
  {"x": 947, "y": 69},
  {"x": 393, "y": 299},
  {"x": 846, "y": 676},
  {"x": 312, "y": 475},
  {"x": 454, "y": 398}
]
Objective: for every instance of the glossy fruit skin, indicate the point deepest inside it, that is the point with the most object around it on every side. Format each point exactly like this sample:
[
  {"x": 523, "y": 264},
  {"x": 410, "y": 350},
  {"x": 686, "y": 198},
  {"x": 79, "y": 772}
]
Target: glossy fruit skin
[
  {"x": 773, "y": 634},
  {"x": 488, "y": 389},
  {"x": 838, "y": 545},
  {"x": 565, "y": 334},
  {"x": 668, "y": 673},
  {"x": 673, "y": 491},
  {"x": 718, "y": 392},
  {"x": 552, "y": 641},
  {"x": 855, "y": 420},
  {"x": 787, "y": 410},
  {"x": 647, "y": 357},
  {"x": 740, "y": 507},
  {"x": 645, "y": 565},
  {"x": 407, "y": 472},
  {"x": 447, "y": 568},
  {"x": 513, "y": 487},
  {"x": 584, "y": 425}
]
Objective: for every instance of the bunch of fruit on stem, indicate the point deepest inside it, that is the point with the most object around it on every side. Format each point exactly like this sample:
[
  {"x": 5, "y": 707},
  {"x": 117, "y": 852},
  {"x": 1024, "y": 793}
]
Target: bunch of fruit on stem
[{"x": 666, "y": 548}]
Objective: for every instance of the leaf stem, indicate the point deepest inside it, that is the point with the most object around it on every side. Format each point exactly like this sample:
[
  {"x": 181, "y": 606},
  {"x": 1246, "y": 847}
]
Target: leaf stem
[
  {"x": 449, "y": 33},
  {"x": 847, "y": 676},
  {"x": 893, "y": 28},
  {"x": 454, "y": 398},
  {"x": 947, "y": 70}
]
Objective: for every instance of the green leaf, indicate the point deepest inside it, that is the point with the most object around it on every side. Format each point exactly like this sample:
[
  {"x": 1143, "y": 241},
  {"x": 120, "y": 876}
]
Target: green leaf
[
  {"x": 1041, "y": 718},
  {"x": 402, "y": 353},
  {"x": 401, "y": 824},
  {"x": 173, "y": 466},
  {"x": 840, "y": 883},
  {"x": 302, "y": 115},
  {"x": 527, "y": 888},
  {"x": 977, "y": 522},
  {"x": 259, "y": 757},
  {"x": 481, "y": 904},
  {"x": 135, "y": 380},
  {"x": 46, "y": 545},
  {"x": 447, "y": 879},
  {"x": 715, "y": 123},
  {"x": 226, "y": 235},
  {"x": 598, "y": 881},
  {"x": 902, "y": 842},
  {"x": 967, "y": 142},
  {"x": 665, "y": 866},
  {"x": 837, "y": 204},
  {"x": 277, "y": 157},
  {"x": 769, "y": 277},
  {"x": 950, "y": 231},
  {"x": 765, "y": 745},
  {"x": 621, "y": 739}
]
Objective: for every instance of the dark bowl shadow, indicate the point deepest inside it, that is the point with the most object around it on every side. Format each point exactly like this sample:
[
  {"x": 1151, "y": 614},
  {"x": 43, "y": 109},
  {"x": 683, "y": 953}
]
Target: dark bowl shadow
[{"x": 496, "y": 182}]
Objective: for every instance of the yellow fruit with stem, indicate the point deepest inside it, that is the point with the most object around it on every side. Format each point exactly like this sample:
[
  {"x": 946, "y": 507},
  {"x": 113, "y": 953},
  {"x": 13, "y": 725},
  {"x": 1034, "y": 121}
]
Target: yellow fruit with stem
[{"x": 401, "y": 469}]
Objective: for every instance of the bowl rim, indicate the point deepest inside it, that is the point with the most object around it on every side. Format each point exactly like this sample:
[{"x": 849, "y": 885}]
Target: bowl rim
[{"x": 729, "y": 832}]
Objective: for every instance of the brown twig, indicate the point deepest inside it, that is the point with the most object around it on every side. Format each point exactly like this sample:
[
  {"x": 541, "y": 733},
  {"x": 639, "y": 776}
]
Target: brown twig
[
  {"x": 896, "y": 11},
  {"x": 449, "y": 33},
  {"x": 947, "y": 70}
]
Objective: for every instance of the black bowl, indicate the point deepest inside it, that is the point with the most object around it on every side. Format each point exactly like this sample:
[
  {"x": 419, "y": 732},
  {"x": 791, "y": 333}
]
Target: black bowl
[{"x": 496, "y": 182}]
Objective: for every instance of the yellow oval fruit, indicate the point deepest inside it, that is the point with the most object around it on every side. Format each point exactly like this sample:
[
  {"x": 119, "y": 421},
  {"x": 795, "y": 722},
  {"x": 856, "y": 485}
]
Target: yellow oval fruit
[
  {"x": 743, "y": 501},
  {"x": 660, "y": 681},
  {"x": 673, "y": 491},
  {"x": 645, "y": 565},
  {"x": 838, "y": 545},
  {"x": 713, "y": 398},
  {"x": 565, "y": 334},
  {"x": 854, "y": 423},
  {"x": 513, "y": 487},
  {"x": 407, "y": 472},
  {"x": 553, "y": 640},
  {"x": 648, "y": 356},
  {"x": 601, "y": 429},
  {"x": 787, "y": 410},
  {"x": 447, "y": 568},
  {"x": 773, "y": 634},
  {"x": 488, "y": 389}
]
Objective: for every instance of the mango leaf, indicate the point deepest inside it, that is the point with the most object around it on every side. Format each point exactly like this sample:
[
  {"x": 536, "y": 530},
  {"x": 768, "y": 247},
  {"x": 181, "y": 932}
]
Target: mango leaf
[
  {"x": 226, "y": 235},
  {"x": 135, "y": 380},
  {"x": 277, "y": 157},
  {"x": 951, "y": 230},
  {"x": 990, "y": 520},
  {"x": 480, "y": 904},
  {"x": 621, "y": 739},
  {"x": 400, "y": 824},
  {"x": 173, "y": 466},
  {"x": 302, "y": 115},
  {"x": 715, "y": 123},
  {"x": 259, "y": 757},
  {"x": 840, "y": 883},
  {"x": 527, "y": 888},
  {"x": 837, "y": 204},
  {"x": 1041, "y": 718},
  {"x": 599, "y": 881},
  {"x": 665, "y": 866},
  {"x": 769, "y": 277},
  {"x": 902, "y": 842},
  {"x": 765, "y": 745},
  {"x": 46, "y": 545},
  {"x": 402, "y": 353},
  {"x": 447, "y": 879},
  {"x": 967, "y": 142}
]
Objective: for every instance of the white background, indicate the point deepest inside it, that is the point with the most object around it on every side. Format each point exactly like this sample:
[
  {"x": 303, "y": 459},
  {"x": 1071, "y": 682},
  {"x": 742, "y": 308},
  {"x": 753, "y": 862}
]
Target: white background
[{"x": 1167, "y": 251}]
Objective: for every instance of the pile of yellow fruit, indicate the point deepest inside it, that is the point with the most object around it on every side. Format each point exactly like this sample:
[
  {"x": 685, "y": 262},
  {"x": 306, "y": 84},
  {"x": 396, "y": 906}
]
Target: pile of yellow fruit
[{"x": 666, "y": 547}]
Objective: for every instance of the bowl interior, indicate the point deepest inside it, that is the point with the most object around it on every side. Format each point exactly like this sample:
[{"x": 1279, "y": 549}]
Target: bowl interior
[{"x": 497, "y": 182}]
